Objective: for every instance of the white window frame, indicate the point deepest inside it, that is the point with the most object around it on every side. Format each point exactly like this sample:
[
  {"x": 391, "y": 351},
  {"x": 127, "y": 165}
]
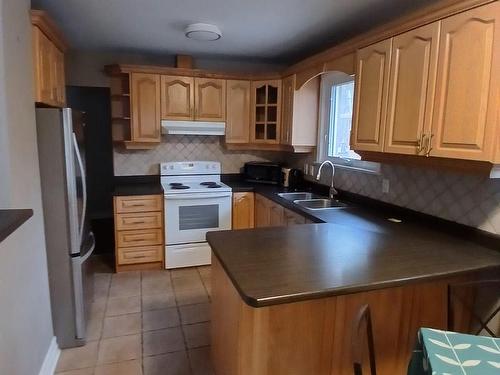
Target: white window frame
[{"x": 327, "y": 81}]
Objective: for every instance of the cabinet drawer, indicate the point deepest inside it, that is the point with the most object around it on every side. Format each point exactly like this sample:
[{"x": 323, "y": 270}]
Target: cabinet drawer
[
  {"x": 141, "y": 220},
  {"x": 140, "y": 237},
  {"x": 139, "y": 203},
  {"x": 145, "y": 254}
]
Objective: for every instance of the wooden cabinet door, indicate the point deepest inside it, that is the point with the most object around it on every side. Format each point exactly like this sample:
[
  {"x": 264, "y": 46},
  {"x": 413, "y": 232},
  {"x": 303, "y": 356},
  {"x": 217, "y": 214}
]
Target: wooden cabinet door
[
  {"x": 292, "y": 218},
  {"x": 58, "y": 76},
  {"x": 411, "y": 89},
  {"x": 276, "y": 215},
  {"x": 43, "y": 58},
  {"x": 288, "y": 88},
  {"x": 266, "y": 112},
  {"x": 210, "y": 99},
  {"x": 370, "y": 99},
  {"x": 177, "y": 98},
  {"x": 243, "y": 210},
  {"x": 467, "y": 92},
  {"x": 145, "y": 107},
  {"x": 262, "y": 212},
  {"x": 238, "y": 112}
]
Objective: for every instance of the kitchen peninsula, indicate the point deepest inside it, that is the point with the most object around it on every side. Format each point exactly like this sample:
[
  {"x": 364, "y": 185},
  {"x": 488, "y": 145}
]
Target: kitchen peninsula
[{"x": 283, "y": 299}]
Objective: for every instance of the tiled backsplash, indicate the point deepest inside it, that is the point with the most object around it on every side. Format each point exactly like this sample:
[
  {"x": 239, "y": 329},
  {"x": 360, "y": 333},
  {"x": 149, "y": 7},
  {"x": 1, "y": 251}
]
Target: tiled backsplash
[
  {"x": 466, "y": 199},
  {"x": 181, "y": 148}
]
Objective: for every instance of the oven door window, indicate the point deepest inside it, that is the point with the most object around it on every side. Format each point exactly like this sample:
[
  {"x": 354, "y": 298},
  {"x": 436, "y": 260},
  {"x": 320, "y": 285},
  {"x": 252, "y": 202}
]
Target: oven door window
[{"x": 199, "y": 217}]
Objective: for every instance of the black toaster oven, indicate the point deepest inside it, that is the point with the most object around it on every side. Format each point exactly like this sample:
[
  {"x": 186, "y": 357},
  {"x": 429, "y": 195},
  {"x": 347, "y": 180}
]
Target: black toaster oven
[{"x": 263, "y": 172}]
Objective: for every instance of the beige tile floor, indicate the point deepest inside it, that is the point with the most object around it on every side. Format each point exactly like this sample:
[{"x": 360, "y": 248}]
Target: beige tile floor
[{"x": 150, "y": 322}]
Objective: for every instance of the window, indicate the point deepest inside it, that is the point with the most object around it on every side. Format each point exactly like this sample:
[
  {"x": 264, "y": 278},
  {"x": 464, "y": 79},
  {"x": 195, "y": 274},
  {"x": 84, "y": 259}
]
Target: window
[{"x": 337, "y": 99}]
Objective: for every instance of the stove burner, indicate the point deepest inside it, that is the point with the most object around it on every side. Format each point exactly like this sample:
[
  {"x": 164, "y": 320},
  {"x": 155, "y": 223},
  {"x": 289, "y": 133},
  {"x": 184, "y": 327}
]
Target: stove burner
[
  {"x": 214, "y": 186},
  {"x": 208, "y": 183},
  {"x": 179, "y": 187},
  {"x": 176, "y": 184}
]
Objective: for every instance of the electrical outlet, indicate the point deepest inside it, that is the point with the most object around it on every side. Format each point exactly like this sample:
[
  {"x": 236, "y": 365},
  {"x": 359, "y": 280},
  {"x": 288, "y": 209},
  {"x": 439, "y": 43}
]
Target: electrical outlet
[
  {"x": 385, "y": 186},
  {"x": 311, "y": 170},
  {"x": 306, "y": 168}
]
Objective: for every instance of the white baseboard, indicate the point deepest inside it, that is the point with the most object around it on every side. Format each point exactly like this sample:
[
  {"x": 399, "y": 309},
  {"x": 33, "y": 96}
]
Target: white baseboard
[{"x": 51, "y": 358}]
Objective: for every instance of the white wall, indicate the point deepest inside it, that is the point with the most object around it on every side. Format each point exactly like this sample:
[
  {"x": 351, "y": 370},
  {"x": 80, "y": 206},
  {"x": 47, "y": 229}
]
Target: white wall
[
  {"x": 25, "y": 318},
  {"x": 86, "y": 68}
]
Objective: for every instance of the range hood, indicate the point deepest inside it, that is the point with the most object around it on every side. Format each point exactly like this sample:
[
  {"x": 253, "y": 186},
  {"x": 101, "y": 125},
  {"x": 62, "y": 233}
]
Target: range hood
[{"x": 193, "y": 127}]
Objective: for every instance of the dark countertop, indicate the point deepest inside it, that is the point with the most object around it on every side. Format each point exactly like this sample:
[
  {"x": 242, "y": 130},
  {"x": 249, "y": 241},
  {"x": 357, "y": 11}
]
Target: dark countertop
[
  {"x": 287, "y": 264},
  {"x": 137, "y": 185},
  {"x": 359, "y": 249},
  {"x": 10, "y": 220}
]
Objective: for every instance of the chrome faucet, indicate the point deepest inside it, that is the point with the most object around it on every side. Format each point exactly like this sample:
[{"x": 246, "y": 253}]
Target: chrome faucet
[{"x": 333, "y": 191}]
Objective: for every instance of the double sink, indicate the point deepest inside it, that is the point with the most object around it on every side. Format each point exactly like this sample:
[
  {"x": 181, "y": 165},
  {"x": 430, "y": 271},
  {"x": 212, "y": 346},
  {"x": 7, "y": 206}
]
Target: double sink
[{"x": 311, "y": 201}]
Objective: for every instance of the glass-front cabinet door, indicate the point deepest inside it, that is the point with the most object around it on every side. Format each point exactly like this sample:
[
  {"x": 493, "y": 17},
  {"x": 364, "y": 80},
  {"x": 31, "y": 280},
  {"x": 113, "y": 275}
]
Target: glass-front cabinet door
[{"x": 266, "y": 113}]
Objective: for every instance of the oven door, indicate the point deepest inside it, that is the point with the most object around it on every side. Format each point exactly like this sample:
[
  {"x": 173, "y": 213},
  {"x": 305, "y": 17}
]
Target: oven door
[{"x": 188, "y": 217}]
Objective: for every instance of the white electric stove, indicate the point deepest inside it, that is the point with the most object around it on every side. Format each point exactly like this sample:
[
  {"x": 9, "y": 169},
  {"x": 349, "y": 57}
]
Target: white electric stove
[{"x": 196, "y": 202}]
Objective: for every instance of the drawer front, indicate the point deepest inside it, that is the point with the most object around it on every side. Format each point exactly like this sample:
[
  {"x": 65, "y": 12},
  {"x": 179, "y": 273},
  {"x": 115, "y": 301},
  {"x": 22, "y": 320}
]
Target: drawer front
[
  {"x": 140, "y": 203},
  {"x": 140, "y": 237},
  {"x": 142, "y": 220},
  {"x": 145, "y": 254}
]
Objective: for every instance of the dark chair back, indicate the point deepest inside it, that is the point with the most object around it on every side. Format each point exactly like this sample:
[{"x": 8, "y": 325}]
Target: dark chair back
[
  {"x": 362, "y": 339},
  {"x": 474, "y": 306}
]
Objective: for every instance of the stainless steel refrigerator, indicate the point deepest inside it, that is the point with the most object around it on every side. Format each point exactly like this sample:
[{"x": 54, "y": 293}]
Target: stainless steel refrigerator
[{"x": 68, "y": 238}]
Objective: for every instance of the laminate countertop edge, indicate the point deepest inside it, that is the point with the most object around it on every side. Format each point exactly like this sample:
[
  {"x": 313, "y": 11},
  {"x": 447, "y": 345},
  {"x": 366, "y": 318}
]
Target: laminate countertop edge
[{"x": 11, "y": 220}]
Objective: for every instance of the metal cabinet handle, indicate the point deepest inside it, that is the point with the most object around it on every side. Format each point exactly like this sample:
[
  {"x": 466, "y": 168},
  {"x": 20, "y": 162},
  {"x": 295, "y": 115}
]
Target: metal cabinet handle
[
  {"x": 421, "y": 143},
  {"x": 429, "y": 145}
]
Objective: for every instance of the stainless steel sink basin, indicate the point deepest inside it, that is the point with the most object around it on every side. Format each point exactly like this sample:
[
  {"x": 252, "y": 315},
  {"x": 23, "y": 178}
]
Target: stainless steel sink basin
[
  {"x": 298, "y": 196},
  {"x": 320, "y": 204}
]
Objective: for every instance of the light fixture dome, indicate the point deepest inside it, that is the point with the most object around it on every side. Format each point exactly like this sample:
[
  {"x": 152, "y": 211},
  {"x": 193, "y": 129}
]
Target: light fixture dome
[{"x": 203, "y": 31}]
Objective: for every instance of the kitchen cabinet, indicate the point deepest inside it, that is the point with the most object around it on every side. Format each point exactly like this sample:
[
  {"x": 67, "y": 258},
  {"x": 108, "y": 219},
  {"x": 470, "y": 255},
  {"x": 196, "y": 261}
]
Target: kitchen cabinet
[
  {"x": 48, "y": 61},
  {"x": 262, "y": 212},
  {"x": 210, "y": 99},
  {"x": 145, "y": 107},
  {"x": 465, "y": 119},
  {"x": 238, "y": 111},
  {"x": 299, "y": 120},
  {"x": 139, "y": 232},
  {"x": 189, "y": 98},
  {"x": 177, "y": 98},
  {"x": 292, "y": 218},
  {"x": 411, "y": 89},
  {"x": 271, "y": 214},
  {"x": 370, "y": 98},
  {"x": 266, "y": 111},
  {"x": 243, "y": 210}
]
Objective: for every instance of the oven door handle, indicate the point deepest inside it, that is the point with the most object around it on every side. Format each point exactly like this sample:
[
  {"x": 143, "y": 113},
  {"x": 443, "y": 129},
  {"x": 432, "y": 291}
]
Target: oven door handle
[{"x": 196, "y": 196}]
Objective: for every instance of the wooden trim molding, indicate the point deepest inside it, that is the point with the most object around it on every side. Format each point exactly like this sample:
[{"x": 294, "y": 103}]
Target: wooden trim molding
[
  {"x": 431, "y": 13},
  {"x": 118, "y": 69},
  {"x": 42, "y": 20},
  {"x": 469, "y": 166}
]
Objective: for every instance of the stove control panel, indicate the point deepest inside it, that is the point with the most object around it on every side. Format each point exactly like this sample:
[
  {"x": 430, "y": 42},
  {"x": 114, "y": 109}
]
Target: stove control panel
[{"x": 190, "y": 168}]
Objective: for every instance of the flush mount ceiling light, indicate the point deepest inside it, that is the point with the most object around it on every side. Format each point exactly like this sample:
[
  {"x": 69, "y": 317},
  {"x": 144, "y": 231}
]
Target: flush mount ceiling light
[{"x": 203, "y": 31}]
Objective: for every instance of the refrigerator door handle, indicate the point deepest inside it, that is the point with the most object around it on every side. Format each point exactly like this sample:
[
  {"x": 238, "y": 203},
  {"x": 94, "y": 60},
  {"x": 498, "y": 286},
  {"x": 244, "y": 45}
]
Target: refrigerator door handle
[{"x": 84, "y": 186}]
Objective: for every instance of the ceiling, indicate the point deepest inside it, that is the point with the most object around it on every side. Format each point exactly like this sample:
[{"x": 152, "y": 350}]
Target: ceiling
[{"x": 281, "y": 31}]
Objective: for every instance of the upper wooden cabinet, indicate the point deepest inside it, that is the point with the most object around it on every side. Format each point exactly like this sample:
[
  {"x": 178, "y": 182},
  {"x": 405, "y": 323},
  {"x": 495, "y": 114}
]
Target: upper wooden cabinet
[
  {"x": 465, "y": 119},
  {"x": 189, "y": 98},
  {"x": 210, "y": 99},
  {"x": 266, "y": 111},
  {"x": 370, "y": 99},
  {"x": 238, "y": 111},
  {"x": 48, "y": 60},
  {"x": 177, "y": 98},
  {"x": 299, "y": 118},
  {"x": 145, "y": 107},
  {"x": 411, "y": 90}
]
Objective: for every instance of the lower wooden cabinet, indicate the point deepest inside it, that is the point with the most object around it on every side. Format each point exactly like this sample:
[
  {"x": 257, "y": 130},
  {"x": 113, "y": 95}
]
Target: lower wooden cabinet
[
  {"x": 271, "y": 214},
  {"x": 139, "y": 232},
  {"x": 243, "y": 210}
]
